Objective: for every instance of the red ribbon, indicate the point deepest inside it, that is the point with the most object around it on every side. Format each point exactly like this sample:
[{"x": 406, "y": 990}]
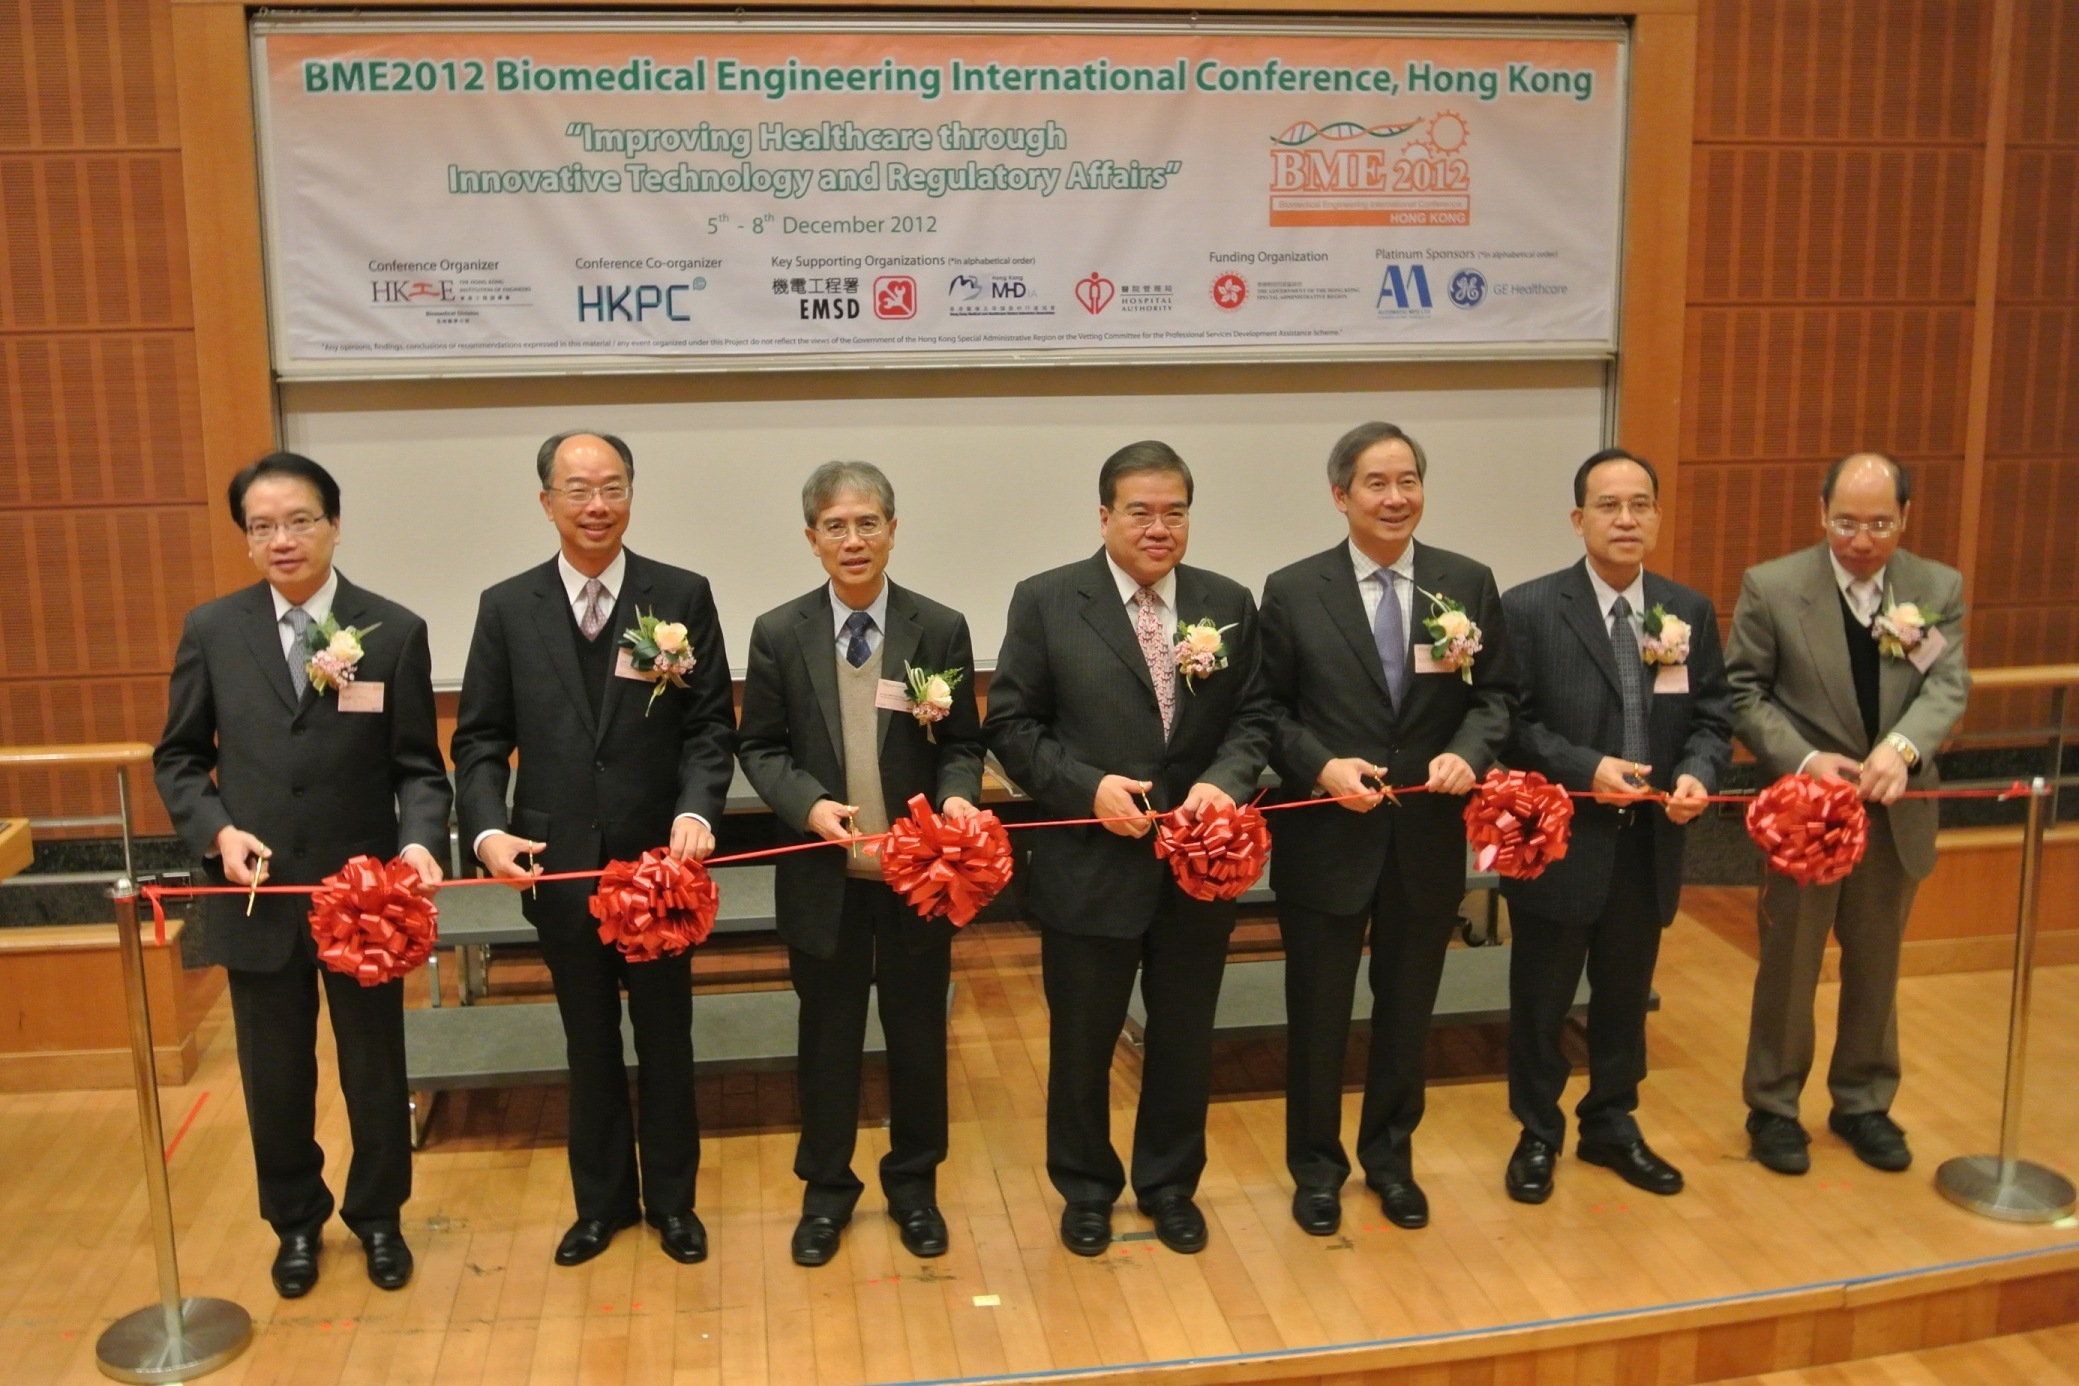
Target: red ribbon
[
  {"x": 1219, "y": 855},
  {"x": 656, "y": 906},
  {"x": 1518, "y": 822},
  {"x": 1813, "y": 831},
  {"x": 369, "y": 920},
  {"x": 942, "y": 865}
]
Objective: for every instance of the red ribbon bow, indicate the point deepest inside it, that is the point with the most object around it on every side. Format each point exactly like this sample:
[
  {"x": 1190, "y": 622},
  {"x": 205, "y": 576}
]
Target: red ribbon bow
[
  {"x": 949, "y": 866},
  {"x": 1220, "y": 855},
  {"x": 1518, "y": 823},
  {"x": 656, "y": 906},
  {"x": 1813, "y": 831},
  {"x": 370, "y": 922}
]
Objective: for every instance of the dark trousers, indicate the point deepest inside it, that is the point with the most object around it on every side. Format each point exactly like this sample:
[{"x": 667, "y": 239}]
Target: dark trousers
[
  {"x": 275, "y": 1018},
  {"x": 1321, "y": 955},
  {"x": 1181, "y": 960},
  {"x": 604, "y": 1134},
  {"x": 1619, "y": 948},
  {"x": 873, "y": 952}
]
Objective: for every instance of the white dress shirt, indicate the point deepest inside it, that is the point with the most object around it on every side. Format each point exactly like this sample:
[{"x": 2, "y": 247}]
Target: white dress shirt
[
  {"x": 317, "y": 608},
  {"x": 1165, "y": 597},
  {"x": 876, "y": 612},
  {"x": 1635, "y": 594},
  {"x": 1402, "y": 568}
]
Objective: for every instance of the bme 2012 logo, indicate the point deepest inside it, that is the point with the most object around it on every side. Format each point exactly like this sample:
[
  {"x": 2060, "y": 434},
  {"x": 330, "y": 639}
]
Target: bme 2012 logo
[{"x": 1344, "y": 173}]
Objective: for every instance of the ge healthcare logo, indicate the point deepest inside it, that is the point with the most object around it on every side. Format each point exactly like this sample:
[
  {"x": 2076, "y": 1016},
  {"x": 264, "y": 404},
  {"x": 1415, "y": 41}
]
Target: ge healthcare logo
[
  {"x": 1404, "y": 291},
  {"x": 895, "y": 296},
  {"x": 1095, "y": 293},
  {"x": 1230, "y": 291},
  {"x": 1468, "y": 288}
]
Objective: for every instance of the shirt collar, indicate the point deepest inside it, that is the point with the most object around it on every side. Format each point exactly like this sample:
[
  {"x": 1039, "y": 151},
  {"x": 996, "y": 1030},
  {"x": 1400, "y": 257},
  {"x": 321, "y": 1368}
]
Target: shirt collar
[
  {"x": 1843, "y": 579},
  {"x": 319, "y": 606},
  {"x": 574, "y": 581},
  {"x": 1165, "y": 590},
  {"x": 1365, "y": 565},
  {"x": 1634, "y": 593},
  {"x": 876, "y": 610}
]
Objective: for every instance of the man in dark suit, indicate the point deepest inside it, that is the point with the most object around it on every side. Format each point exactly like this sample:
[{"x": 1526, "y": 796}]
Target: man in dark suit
[
  {"x": 1595, "y": 716},
  {"x": 605, "y": 775},
  {"x": 1089, "y": 713},
  {"x": 830, "y": 740},
  {"x": 1816, "y": 693},
  {"x": 1364, "y": 702},
  {"x": 304, "y": 778}
]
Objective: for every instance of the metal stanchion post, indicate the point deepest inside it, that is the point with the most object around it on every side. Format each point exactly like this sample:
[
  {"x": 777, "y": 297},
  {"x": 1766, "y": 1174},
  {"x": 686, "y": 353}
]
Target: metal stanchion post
[
  {"x": 176, "y": 1339},
  {"x": 2005, "y": 1186}
]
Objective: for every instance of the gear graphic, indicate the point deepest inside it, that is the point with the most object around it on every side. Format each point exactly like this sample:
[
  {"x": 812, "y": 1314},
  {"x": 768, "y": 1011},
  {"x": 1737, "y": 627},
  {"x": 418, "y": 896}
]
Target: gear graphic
[{"x": 1446, "y": 133}]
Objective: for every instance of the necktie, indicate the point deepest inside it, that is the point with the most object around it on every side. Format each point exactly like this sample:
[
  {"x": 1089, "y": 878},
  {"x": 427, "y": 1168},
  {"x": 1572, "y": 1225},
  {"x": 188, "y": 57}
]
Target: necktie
[
  {"x": 856, "y": 626},
  {"x": 593, "y": 620},
  {"x": 299, "y": 651},
  {"x": 1391, "y": 637},
  {"x": 1631, "y": 680},
  {"x": 1155, "y": 648},
  {"x": 1864, "y": 599}
]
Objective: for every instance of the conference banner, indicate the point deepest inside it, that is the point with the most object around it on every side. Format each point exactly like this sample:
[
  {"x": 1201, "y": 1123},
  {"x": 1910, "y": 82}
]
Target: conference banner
[{"x": 506, "y": 195}]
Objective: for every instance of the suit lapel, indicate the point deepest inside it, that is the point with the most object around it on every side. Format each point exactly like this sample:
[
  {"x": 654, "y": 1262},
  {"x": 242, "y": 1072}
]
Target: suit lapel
[
  {"x": 898, "y": 647},
  {"x": 636, "y": 583},
  {"x": 1826, "y": 645},
  {"x": 1106, "y": 614},
  {"x": 1581, "y": 609},
  {"x": 1344, "y": 606},
  {"x": 553, "y": 625},
  {"x": 815, "y": 631},
  {"x": 1896, "y": 678},
  {"x": 263, "y": 637},
  {"x": 349, "y": 608}
]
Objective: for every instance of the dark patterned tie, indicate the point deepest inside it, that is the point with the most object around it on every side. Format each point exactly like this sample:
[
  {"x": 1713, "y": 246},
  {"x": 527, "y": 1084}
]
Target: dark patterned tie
[
  {"x": 1161, "y": 657},
  {"x": 594, "y": 618},
  {"x": 856, "y": 626},
  {"x": 1391, "y": 637},
  {"x": 1631, "y": 680},
  {"x": 299, "y": 648}
]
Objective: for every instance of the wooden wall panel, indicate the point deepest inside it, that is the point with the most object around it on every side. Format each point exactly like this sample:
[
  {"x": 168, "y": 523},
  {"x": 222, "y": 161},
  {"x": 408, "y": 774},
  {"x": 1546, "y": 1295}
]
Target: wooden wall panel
[
  {"x": 92, "y": 241},
  {"x": 2035, "y": 361},
  {"x": 99, "y": 419},
  {"x": 39, "y": 711},
  {"x": 98, "y": 592},
  {"x": 2044, "y": 104},
  {"x": 2039, "y": 241},
  {"x": 76, "y": 73}
]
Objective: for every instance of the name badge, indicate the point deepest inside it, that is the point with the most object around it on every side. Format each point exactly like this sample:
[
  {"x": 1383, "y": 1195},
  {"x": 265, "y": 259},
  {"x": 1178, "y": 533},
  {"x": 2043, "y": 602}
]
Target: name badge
[
  {"x": 1426, "y": 663},
  {"x": 1924, "y": 655},
  {"x": 1671, "y": 678},
  {"x": 362, "y": 695},
  {"x": 624, "y": 667},
  {"x": 891, "y": 695}
]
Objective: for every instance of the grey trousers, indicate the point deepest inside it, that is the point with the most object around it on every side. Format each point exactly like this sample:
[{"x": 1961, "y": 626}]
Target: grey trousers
[{"x": 1867, "y": 912}]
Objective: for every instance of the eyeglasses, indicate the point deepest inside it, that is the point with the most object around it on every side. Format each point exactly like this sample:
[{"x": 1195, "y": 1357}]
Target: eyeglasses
[
  {"x": 1846, "y": 528},
  {"x": 296, "y": 527},
  {"x": 869, "y": 527},
  {"x": 580, "y": 495},
  {"x": 1141, "y": 521},
  {"x": 1638, "y": 507}
]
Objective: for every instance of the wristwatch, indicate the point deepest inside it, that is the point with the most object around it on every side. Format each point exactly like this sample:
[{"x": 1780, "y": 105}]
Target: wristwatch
[{"x": 1903, "y": 747}]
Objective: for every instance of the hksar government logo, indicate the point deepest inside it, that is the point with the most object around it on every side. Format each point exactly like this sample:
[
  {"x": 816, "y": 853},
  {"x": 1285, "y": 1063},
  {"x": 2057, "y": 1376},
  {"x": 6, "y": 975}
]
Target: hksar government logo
[
  {"x": 1230, "y": 291},
  {"x": 1468, "y": 287}
]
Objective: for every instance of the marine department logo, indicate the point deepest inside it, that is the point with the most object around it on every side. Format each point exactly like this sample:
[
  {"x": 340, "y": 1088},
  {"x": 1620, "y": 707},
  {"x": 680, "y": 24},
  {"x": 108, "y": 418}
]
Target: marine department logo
[{"x": 1095, "y": 293}]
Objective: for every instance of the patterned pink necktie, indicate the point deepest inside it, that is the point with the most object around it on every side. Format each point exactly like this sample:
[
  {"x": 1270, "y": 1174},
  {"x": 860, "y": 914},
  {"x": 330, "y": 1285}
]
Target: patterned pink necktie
[
  {"x": 1155, "y": 648},
  {"x": 594, "y": 619}
]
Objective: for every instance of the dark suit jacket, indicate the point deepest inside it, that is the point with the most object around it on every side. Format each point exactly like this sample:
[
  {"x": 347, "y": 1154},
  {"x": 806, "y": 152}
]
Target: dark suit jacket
[
  {"x": 1322, "y": 669},
  {"x": 1071, "y": 702},
  {"x": 791, "y": 741},
  {"x": 1570, "y": 714},
  {"x": 315, "y": 784},
  {"x": 1794, "y": 692},
  {"x": 596, "y": 782}
]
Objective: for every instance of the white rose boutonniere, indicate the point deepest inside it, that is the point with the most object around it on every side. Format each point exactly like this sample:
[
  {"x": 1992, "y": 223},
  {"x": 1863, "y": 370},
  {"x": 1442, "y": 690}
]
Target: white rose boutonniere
[
  {"x": 931, "y": 695},
  {"x": 1667, "y": 638},
  {"x": 1201, "y": 650},
  {"x": 661, "y": 652},
  {"x": 334, "y": 651},
  {"x": 1454, "y": 637}
]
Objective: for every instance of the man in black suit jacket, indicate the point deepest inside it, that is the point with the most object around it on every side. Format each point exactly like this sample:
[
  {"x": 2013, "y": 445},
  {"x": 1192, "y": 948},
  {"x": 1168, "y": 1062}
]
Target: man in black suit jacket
[
  {"x": 605, "y": 775},
  {"x": 1363, "y": 702},
  {"x": 829, "y": 742},
  {"x": 1595, "y": 715},
  {"x": 1088, "y": 711},
  {"x": 305, "y": 778}
]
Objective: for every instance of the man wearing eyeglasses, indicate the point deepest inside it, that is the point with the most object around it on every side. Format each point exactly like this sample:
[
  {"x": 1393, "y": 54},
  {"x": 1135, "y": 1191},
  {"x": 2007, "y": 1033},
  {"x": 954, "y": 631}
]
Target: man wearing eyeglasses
[
  {"x": 269, "y": 772},
  {"x": 1846, "y": 661},
  {"x": 605, "y": 774},
  {"x": 835, "y": 738},
  {"x": 1621, "y": 691}
]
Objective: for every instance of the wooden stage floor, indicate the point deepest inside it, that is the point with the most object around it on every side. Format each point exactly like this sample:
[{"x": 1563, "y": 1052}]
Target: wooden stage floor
[{"x": 1746, "y": 1271}]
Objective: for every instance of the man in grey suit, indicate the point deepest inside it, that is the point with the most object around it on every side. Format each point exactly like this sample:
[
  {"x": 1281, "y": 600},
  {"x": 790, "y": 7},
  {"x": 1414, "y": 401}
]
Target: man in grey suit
[
  {"x": 1090, "y": 714},
  {"x": 264, "y": 771},
  {"x": 1816, "y": 693},
  {"x": 829, "y": 740},
  {"x": 1595, "y": 716},
  {"x": 1362, "y": 702}
]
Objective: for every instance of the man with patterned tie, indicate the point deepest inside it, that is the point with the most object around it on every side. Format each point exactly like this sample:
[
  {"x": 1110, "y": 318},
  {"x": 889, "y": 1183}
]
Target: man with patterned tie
[
  {"x": 1364, "y": 702},
  {"x": 262, "y": 770},
  {"x": 1086, "y": 715},
  {"x": 1596, "y": 716},
  {"x": 829, "y": 741},
  {"x": 1846, "y": 661},
  {"x": 606, "y": 773}
]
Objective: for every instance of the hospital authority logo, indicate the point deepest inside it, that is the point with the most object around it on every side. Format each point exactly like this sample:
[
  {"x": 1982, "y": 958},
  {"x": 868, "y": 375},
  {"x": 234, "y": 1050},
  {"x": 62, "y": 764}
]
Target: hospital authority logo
[
  {"x": 1230, "y": 291},
  {"x": 1095, "y": 293},
  {"x": 1412, "y": 172}
]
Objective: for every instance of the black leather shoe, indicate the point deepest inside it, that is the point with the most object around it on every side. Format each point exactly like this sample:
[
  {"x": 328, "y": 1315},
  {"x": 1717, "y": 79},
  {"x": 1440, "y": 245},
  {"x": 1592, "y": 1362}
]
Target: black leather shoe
[
  {"x": 1403, "y": 1203},
  {"x": 1178, "y": 1223},
  {"x": 815, "y": 1239},
  {"x": 1634, "y": 1162},
  {"x": 1318, "y": 1211},
  {"x": 586, "y": 1238},
  {"x": 1529, "y": 1176},
  {"x": 1086, "y": 1228},
  {"x": 1877, "y": 1139},
  {"x": 923, "y": 1231},
  {"x": 389, "y": 1259},
  {"x": 683, "y": 1237},
  {"x": 1778, "y": 1143},
  {"x": 295, "y": 1267}
]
